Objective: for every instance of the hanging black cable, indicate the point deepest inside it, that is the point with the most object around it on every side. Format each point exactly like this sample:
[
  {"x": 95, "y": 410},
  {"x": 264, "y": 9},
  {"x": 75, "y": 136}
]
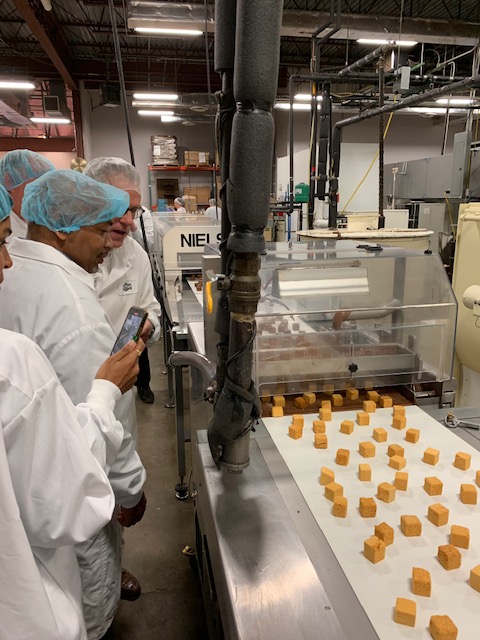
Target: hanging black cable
[
  {"x": 212, "y": 121},
  {"x": 121, "y": 79},
  {"x": 123, "y": 96}
]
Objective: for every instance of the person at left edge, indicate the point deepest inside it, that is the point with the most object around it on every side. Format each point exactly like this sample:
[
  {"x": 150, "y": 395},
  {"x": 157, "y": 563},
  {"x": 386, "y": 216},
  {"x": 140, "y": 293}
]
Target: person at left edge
[
  {"x": 54, "y": 491},
  {"x": 50, "y": 297},
  {"x": 17, "y": 169}
]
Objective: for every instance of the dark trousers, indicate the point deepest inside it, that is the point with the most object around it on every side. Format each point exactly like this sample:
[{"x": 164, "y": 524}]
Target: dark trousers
[{"x": 143, "y": 380}]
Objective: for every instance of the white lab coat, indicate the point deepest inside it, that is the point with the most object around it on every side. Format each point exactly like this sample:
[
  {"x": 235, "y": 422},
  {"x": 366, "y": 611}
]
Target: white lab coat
[
  {"x": 180, "y": 210},
  {"x": 214, "y": 212},
  {"x": 148, "y": 224},
  {"x": 52, "y": 300},
  {"x": 18, "y": 226},
  {"x": 124, "y": 280},
  {"x": 53, "y": 491}
]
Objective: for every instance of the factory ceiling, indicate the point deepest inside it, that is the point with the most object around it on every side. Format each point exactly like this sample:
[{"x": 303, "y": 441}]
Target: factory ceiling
[{"x": 70, "y": 40}]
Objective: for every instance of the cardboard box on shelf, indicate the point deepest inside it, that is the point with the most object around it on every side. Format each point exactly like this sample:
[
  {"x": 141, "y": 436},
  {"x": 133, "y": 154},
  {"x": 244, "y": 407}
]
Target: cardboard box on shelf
[
  {"x": 164, "y": 150},
  {"x": 167, "y": 189},
  {"x": 197, "y": 158},
  {"x": 201, "y": 193},
  {"x": 190, "y": 204}
]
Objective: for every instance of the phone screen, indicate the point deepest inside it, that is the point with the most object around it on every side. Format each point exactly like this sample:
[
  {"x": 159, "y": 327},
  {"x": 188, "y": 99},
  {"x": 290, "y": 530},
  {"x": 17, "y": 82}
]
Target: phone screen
[{"x": 131, "y": 328}]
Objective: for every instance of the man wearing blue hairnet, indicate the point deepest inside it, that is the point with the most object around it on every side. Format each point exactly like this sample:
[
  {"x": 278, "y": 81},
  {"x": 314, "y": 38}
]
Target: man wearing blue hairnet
[
  {"x": 17, "y": 169},
  {"x": 53, "y": 491},
  {"x": 50, "y": 297}
]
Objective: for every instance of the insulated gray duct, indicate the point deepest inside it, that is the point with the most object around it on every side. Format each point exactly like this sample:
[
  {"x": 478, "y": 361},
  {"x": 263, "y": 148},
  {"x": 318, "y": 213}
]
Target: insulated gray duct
[
  {"x": 257, "y": 52},
  {"x": 226, "y": 15}
]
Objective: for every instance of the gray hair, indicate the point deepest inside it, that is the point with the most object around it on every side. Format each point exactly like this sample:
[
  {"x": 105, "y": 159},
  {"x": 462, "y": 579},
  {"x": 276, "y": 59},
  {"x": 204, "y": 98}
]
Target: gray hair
[
  {"x": 212, "y": 202},
  {"x": 181, "y": 201},
  {"x": 116, "y": 171}
]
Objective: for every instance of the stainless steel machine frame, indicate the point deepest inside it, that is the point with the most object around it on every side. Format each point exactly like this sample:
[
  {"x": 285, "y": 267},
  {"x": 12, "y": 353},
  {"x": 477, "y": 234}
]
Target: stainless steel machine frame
[{"x": 178, "y": 247}]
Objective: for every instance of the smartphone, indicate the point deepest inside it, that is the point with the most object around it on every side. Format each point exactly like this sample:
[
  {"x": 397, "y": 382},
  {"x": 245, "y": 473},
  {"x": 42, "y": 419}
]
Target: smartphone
[{"x": 132, "y": 328}]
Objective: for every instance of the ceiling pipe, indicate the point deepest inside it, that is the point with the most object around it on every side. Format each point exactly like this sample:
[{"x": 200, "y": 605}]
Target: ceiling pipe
[
  {"x": 373, "y": 55},
  {"x": 456, "y": 87},
  {"x": 335, "y": 29}
]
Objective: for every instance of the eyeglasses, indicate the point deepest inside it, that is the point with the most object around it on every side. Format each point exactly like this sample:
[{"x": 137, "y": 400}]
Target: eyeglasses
[{"x": 135, "y": 211}]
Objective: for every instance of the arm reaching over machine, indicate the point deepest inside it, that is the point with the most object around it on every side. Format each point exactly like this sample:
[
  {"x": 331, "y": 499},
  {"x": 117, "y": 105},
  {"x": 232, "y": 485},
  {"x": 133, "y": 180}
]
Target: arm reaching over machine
[{"x": 365, "y": 314}]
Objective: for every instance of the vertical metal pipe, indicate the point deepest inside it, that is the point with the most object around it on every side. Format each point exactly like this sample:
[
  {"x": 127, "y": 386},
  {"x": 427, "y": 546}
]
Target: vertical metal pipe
[
  {"x": 313, "y": 153},
  {"x": 291, "y": 85},
  {"x": 381, "y": 130},
  {"x": 334, "y": 173},
  {"x": 324, "y": 138}
]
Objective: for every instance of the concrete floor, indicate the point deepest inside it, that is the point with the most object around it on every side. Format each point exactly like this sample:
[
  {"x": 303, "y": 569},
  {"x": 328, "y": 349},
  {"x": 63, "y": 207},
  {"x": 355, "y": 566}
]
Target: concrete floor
[{"x": 170, "y": 607}]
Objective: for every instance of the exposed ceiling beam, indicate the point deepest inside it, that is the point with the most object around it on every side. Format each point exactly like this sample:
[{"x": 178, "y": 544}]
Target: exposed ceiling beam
[
  {"x": 457, "y": 32},
  {"x": 38, "y": 30},
  {"x": 303, "y": 23}
]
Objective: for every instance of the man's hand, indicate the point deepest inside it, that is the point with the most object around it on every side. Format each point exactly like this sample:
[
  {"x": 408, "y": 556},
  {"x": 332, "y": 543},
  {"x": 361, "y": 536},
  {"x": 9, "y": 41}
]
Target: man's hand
[
  {"x": 147, "y": 330},
  {"x": 129, "y": 517},
  {"x": 122, "y": 368}
]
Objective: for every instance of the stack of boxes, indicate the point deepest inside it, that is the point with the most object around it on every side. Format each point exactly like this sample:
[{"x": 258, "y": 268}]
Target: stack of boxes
[{"x": 164, "y": 151}]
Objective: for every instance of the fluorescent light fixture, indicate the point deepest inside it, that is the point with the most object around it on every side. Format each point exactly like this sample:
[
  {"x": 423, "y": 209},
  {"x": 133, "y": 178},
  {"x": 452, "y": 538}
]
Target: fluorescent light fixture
[
  {"x": 51, "y": 120},
  {"x": 297, "y": 106},
  {"x": 432, "y": 110},
  {"x": 158, "y": 97},
  {"x": 16, "y": 84},
  {"x": 153, "y": 103},
  {"x": 305, "y": 97},
  {"x": 168, "y": 32},
  {"x": 170, "y": 118},
  {"x": 459, "y": 102},
  {"x": 154, "y": 112},
  {"x": 399, "y": 43}
]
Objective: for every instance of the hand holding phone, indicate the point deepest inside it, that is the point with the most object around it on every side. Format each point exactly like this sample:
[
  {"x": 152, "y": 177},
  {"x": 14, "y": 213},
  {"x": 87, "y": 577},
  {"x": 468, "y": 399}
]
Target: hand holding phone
[
  {"x": 131, "y": 329},
  {"x": 122, "y": 368}
]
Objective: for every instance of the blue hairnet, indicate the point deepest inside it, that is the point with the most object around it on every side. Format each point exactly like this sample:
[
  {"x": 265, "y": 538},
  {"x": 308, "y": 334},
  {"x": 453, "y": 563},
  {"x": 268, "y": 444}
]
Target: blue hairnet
[
  {"x": 6, "y": 203},
  {"x": 65, "y": 200},
  {"x": 21, "y": 165}
]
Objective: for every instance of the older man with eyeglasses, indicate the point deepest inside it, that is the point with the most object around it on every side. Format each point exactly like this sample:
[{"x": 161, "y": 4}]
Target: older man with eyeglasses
[{"x": 124, "y": 280}]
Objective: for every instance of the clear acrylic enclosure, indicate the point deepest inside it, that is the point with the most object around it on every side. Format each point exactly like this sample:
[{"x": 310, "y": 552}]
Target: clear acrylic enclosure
[{"x": 333, "y": 313}]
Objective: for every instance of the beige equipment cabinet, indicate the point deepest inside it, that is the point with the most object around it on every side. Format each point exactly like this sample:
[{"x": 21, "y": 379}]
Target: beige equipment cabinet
[{"x": 466, "y": 273}]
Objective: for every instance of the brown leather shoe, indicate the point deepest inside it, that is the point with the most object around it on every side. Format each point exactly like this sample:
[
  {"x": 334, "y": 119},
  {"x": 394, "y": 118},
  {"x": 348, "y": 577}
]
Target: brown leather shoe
[{"x": 131, "y": 589}]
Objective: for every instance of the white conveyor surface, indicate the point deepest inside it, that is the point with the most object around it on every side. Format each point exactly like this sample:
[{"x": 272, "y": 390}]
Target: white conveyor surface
[{"x": 377, "y": 586}]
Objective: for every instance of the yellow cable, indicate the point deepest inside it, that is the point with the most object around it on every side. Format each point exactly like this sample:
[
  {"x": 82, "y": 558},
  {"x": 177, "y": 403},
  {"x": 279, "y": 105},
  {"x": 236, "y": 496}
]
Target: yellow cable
[{"x": 371, "y": 165}]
